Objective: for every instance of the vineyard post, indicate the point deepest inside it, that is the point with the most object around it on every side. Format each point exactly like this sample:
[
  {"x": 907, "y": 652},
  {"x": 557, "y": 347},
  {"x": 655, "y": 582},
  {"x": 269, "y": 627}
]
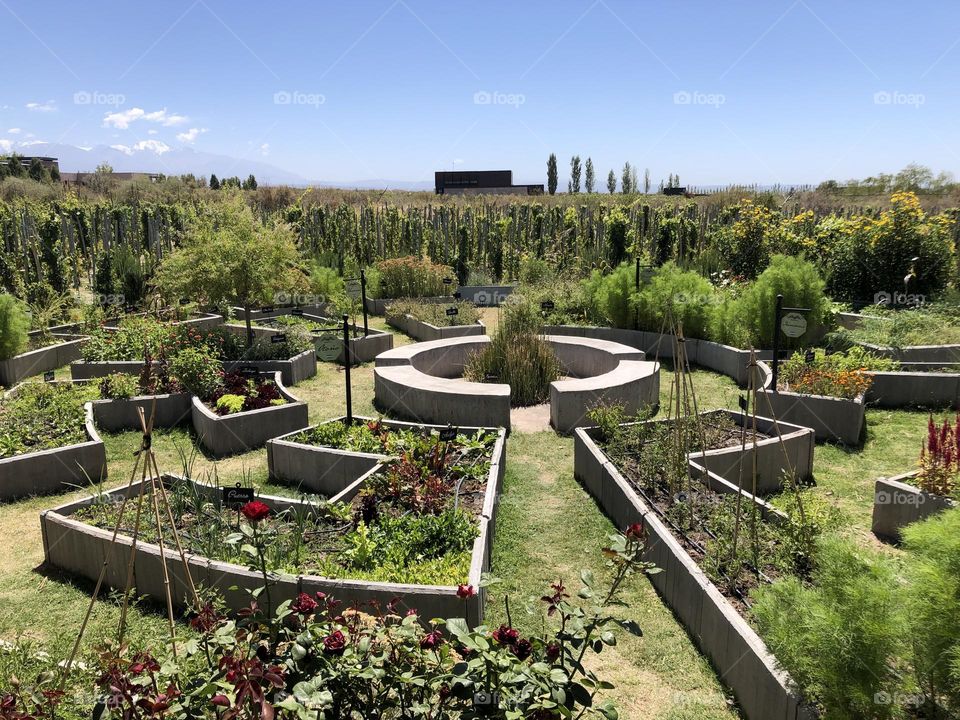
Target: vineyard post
[{"x": 363, "y": 301}]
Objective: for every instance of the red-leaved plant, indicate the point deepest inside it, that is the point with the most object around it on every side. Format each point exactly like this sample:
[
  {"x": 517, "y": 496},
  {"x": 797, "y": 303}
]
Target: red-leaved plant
[{"x": 940, "y": 457}]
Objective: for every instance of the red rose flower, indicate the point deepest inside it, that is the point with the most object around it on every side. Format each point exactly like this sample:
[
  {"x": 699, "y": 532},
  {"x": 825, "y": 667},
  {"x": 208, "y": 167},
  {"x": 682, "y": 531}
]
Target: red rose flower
[
  {"x": 255, "y": 511},
  {"x": 431, "y": 640},
  {"x": 335, "y": 643},
  {"x": 304, "y": 604},
  {"x": 635, "y": 531},
  {"x": 522, "y": 649},
  {"x": 465, "y": 591},
  {"x": 553, "y": 651},
  {"x": 506, "y": 635}
]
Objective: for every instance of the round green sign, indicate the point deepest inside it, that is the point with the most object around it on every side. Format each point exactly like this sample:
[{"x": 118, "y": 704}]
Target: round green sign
[{"x": 329, "y": 347}]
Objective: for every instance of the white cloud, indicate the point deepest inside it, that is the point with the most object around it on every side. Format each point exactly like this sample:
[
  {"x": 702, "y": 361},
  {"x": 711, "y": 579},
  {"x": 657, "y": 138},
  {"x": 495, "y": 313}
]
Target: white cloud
[
  {"x": 190, "y": 135},
  {"x": 14, "y": 131},
  {"x": 122, "y": 119},
  {"x": 28, "y": 143},
  {"x": 151, "y": 131},
  {"x": 155, "y": 146},
  {"x": 265, "y": 149},
  {"x": 48, "y": 106},
  {"x": 5, "y": 145}
]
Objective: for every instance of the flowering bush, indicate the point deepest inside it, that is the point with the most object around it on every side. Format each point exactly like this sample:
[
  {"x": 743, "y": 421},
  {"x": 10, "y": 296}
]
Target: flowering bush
[
  {"x": 843, "y": 375},
  {"x": 313, "y": 659},
  {"x": 940, "y": 458}
]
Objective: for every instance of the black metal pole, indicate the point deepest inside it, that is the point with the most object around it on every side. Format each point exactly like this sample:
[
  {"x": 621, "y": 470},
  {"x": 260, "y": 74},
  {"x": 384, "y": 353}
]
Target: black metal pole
[
  {"x": 776, "y": 341},
  {"x": 346, "y": 366},
  {"x": 363, "y": 300}
]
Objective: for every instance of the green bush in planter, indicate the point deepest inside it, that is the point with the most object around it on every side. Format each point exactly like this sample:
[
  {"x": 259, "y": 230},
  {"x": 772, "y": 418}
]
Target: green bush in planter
[
  {"x": 685, "y": 296},
  {"x": 14, "y": 324},
  {"x": 198, "y": 370},
  {"x": 612, "y": 296}
]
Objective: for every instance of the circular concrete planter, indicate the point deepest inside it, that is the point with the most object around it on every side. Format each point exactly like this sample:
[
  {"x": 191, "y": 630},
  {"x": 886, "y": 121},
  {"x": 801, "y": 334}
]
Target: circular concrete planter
[
  {"x": 423, "y": 382},
  {"x": 328, "y": 471},
  {"x": 743, "y": 661},
  {"x": 170, "y": 410},
  {"x": 898, "y": 503},
  {"x": 80, "y": 549},
  {"x": 57, "y": 469},
  {"x": 35, "y": 362},
  {"x": 222, "y": 435}
]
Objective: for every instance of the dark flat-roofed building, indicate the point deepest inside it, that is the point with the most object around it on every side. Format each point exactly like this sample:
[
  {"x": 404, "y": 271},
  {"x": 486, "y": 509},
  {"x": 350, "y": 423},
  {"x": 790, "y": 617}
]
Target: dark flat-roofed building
[{"x": 481, "y": 182}]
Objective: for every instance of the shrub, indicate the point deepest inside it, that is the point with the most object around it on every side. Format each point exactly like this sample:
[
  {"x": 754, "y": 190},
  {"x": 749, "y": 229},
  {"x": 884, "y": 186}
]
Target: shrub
[
  {"x": 325, "y": 282},
  {"x": 612, "y": 296},
  {"x": 411, "y": 277},
  {"x": 932, "y": 605},
  {"x": 117, "y": 386},
  {"x": 517, "y": 355},
  {"x": 844, "y": 375},
  {"x": 229, "y": 404},
  {"x": 746, "y": 244},
  {"x": 14, "y": 324},
  {"x": 801, "y": 286},
  {"x": 436, "y": 313},
  {"x": 836, "y": 636},
  {"x": 685, "y": 297},
  {"x": 197, "y": 370}
]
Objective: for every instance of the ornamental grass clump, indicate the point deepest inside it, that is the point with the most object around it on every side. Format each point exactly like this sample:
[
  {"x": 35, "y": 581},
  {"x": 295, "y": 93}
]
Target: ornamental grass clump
[{"x": 518, "y": 356}]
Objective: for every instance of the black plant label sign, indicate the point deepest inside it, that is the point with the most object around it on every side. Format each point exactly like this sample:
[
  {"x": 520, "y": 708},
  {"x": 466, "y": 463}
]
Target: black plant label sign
[
  {"x": 547, "y": 305},
  {"x": 277, "y": 338},
  {"x": 742, "y": 401},
  {"x": 184, "y": 301},
  {"x": 452, "y": 311},
  {"x": 249, "y": 370},
  {"x": 448, "y": 434},
  {"x": 267, "y": 308},
  {"x": 297, "y": 311},
  {"x": 448, "y": 281},
  {"x": 809, "y": 357},
  {"x": 49, "y": 376},
  {"x": 236, "y": 495}
]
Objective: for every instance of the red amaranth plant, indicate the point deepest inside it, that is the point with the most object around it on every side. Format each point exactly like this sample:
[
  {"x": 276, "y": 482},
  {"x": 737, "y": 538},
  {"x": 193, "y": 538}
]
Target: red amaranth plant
[{"x": 940, "y": 457}]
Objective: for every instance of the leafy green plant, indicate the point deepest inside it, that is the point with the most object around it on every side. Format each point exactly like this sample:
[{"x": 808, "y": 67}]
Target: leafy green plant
[
  {"x": 43, "y": 416},
  {"x": 229, "y": 404},
  {"x": 676, "y": 296},
  {"x": 436, "y": 313},
  {"x": 14, "y": 325},
  {"x": 117, "y": 386},
  {"x": 613, "y": 296},
  {"x": 197, "y": 370}
]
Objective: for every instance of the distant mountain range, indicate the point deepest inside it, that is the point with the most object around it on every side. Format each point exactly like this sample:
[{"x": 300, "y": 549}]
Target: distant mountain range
[{"x": 182, "y": 160}]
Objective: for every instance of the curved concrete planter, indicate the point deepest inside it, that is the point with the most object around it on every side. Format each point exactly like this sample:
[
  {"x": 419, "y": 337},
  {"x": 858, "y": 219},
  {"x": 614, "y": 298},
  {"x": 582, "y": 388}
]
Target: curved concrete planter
[
  {"x": 423, "y": 382},
  {"x": 328, "y": 471},
  {"x": 223, "y": 435},
  {"x": 831, "y": 418},
  {"x": 43, "y": 360},
  {"x": 293, "y": 371},
  {"x": 425, "y": 332},
  {"x": 740, "y": 656},
  {"x": 57, "y": 469},
  {"x": 80, "y": 549},
  {"x": 897, "y": 503},
  {"x": 172, "y": 409},
  {"x": 378, "y": 306}
]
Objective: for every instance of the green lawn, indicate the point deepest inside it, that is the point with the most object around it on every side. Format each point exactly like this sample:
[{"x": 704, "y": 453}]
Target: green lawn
[{"x": 548, "y": 529}]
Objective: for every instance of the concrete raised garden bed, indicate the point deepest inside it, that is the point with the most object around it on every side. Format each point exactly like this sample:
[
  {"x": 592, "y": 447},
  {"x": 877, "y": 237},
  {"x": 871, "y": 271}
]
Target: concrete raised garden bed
[
  {"x": 329, "y": 343},
  {"x": 425, "y": 332},
  {"x": 35, "y": 362},
  {"x": 741, "y": 658},
  {"x": 56, "y": 469},
  {"x": 80, "y": 549},
  {"x": 913, "y": 387},
  {"x": 327, "y": 470},
  {"x": 172, "y": 409},
  {"x": 223, "y": 435},
  {"x": 90, "y": 369},
  {"x": 897, "y": 503},
  {"x": 378, "y": 306}
]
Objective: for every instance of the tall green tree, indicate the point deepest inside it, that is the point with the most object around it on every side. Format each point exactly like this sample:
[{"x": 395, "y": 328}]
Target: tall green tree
[
  {"x": 575, "y": 172},
  {"x": 250, "y": 183},
  {"x": 214, "y": 182},
  {"x": 626, "y": 179},
  {"x": 552, "y": 174},
  {"x": 646, "y": 181},
  {"x": 228, "y": 256},
  {"x": 590, "y": 177},
  {"x": 611, "y": 182}
]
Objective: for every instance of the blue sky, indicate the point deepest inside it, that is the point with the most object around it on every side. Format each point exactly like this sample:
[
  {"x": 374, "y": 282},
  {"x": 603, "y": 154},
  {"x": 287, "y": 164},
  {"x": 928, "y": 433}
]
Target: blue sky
[{"x": 776, "y": 91}]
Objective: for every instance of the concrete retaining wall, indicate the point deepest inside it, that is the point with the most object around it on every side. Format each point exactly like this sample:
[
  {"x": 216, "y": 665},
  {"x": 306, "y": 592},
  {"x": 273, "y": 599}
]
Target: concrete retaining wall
[
  {"x": 914, "y": 389},
  {"x": 80, "y": 549},
  {"x": 485, "y": 295},
  {"x": 40, "y": 361},
  {"x": 742, "y": 660},
  {"x": 172, "y": 409},
  {"x": 88, "y": 370},
  {"x": 223, "y": 435},
  {"x": 57, "y": 469},
  {"x": 293, "y": 371},
  {"x": 378, "y": 306},
  {"x": 897, "y": 503},
  {"x": 834, "y": 419},
  {"x": 425, "y": 332},
  {"x": 202, "y": 320},
  {"x": 327, "y": 471}
]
